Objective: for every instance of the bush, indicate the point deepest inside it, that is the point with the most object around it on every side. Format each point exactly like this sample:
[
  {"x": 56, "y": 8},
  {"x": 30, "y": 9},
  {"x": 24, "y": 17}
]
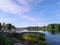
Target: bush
[
  {"x": 5, "y": 40},
  {"x": 34, "y": 38}
]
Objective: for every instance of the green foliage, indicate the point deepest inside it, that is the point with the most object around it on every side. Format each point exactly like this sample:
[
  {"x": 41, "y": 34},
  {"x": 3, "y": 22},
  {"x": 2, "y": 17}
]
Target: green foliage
[
  {"x": 50, "y": 27},
  {"x": 15, "y": 35},
  {"x": 5, "y": 41},
  {"x": 37, "y": 28},
  {"x": 33, "y": 38},
  {"x": 4, "y": 26},
  {"x": 9, "y": 26},
  {"x": 0, "y": 26},
  {"x": 53, "y": 26}
]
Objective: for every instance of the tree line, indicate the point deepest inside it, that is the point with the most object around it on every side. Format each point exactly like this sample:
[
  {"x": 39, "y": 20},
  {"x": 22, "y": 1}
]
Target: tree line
[
  {"x": 48, "y": 27},
  {"x": 8, "y": 26}
]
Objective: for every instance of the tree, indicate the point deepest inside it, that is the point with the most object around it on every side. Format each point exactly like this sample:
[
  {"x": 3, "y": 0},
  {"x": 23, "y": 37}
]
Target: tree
[
  {"x": 13, "y": 27},
  {"x": 3, "y": 26},
  {"x": 0, "y": 26},
  {"x": 8, "y": 26}
]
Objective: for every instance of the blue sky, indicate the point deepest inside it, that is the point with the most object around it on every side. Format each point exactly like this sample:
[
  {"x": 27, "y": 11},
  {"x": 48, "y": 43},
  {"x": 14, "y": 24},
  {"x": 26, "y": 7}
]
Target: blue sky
[{"x": 22, "y": 13}]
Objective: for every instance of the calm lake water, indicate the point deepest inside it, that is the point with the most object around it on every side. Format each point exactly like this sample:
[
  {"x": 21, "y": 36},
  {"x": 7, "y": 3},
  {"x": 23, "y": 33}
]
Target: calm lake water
[{"x": 52, "y": 39}]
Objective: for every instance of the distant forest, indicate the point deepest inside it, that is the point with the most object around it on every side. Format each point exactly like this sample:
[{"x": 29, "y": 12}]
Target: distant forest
[{"x": 48, "y": 27}]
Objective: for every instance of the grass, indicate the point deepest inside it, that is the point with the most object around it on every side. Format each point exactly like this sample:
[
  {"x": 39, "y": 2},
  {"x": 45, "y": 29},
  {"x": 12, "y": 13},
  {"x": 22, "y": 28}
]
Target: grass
[
  {"x": 34, "y": 38},
  {"x": 5, "y": 40}
]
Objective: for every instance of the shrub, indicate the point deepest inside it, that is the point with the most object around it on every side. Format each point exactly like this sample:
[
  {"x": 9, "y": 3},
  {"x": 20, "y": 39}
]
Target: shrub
[{"x": 5, "y": 40}]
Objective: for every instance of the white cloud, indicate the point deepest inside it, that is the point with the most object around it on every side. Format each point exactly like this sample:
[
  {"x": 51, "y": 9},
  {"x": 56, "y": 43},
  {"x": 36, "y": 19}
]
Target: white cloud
[
  {"x": 29, "y": 2},
  {"x": 37, "y": 1},
  {"x": 58, "y": 3},
  {"x": 28, "y": 18},
  {"x": 11, "y": 7}
]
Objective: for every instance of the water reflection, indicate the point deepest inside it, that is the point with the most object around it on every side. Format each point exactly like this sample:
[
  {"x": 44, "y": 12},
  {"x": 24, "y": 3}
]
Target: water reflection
[
  {"x": 54, "y": 31},
  {"x": 53, "y": 37}
]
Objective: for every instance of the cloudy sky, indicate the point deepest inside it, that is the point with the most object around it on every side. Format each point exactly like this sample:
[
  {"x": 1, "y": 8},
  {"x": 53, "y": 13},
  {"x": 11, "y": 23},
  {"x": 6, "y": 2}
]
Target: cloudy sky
[{"x": 23, "y": 13}]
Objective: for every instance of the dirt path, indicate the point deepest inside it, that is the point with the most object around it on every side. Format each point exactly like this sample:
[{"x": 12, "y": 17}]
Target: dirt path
[{"x": 18, "y": 44}]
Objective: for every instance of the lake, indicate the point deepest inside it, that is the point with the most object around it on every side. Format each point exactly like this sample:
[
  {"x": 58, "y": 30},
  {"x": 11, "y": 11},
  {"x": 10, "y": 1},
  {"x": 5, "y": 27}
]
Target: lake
[{"x": 51, "y": 38}]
